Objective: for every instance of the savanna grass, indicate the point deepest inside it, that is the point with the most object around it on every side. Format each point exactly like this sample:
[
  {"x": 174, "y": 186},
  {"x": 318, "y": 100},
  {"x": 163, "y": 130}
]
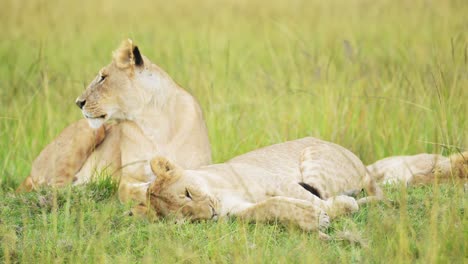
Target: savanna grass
[{"x": 378, "y": 77}]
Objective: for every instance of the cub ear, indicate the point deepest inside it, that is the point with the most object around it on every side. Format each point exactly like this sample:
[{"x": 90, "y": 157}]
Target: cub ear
[
  {"x": 163, "y": 168},
  {"x": 127, "y": 55},
  {"x": 166, "y": 173}
]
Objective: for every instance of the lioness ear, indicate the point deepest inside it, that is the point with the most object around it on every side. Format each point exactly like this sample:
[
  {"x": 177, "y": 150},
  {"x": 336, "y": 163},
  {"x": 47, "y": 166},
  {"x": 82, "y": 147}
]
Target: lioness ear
[
  {"x": 127, "y": 55},
  {"x": 137, "y": 56}
]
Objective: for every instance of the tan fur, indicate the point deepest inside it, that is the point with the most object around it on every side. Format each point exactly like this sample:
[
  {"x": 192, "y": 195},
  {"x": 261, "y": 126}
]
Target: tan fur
[
  {"x": 26, "y": 186},
  {"x": 264, "y": 185},
  {"x": 123, "y": 56},
  {"x": 149, "y": 114},
  {"x": 420, "y": 169},
  {"x": 58, "y": 162}
]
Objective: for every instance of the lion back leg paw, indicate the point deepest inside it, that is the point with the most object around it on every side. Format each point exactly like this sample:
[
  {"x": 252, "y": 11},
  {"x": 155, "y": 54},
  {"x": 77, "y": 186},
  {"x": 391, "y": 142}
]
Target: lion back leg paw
[{"x": 341, "y": 205}]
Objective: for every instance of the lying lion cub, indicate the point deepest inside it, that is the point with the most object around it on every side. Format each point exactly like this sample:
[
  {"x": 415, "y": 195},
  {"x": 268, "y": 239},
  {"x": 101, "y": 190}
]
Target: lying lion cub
[{"x": 298, "y": 182}]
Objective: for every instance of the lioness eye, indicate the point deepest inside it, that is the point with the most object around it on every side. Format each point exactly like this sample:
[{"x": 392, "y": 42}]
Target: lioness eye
[{"x": 187, "y": 194}]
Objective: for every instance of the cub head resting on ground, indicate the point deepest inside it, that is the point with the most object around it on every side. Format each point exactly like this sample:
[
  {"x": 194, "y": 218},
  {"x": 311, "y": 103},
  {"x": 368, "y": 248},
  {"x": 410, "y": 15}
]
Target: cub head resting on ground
[{"x": 299, "y": 182}]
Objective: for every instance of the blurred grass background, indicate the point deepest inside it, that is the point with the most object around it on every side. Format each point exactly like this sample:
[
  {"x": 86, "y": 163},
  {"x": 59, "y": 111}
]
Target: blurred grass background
[{"x": 378, "y": 77}]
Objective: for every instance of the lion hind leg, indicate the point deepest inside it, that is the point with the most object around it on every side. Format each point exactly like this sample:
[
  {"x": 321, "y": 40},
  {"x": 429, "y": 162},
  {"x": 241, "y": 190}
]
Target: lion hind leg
[
  {"x": 332, "y": 170},
  {"x": 335, "y": 172},
  {"x": 59, "y": 161},
  {"x": 334, "y": 206},
  {"x": 314, "y": 174}
]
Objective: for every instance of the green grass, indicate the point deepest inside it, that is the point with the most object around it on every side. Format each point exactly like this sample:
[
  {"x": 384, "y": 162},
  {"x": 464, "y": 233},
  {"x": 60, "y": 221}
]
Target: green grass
[{"x": 378, "y": 77}]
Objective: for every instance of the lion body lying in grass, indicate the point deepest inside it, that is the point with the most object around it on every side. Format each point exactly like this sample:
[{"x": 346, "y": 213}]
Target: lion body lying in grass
[
  {"x": 152, "y": 114},
  {"x": 300, "y": 182},
  {"x": 420, "y": 169}
]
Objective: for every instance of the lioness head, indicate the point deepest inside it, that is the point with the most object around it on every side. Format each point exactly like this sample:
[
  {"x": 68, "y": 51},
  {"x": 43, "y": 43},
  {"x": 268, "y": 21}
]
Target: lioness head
[
  {"x": 119, "y": 89},
  {"x": 179, "y": 194}
]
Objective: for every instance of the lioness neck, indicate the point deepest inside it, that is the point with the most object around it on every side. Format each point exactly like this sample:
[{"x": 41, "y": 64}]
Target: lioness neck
[
  {"x": 159, "y": 98},
  {"x": 165, "y": 112},
  {"x": 159, "y": 86}
]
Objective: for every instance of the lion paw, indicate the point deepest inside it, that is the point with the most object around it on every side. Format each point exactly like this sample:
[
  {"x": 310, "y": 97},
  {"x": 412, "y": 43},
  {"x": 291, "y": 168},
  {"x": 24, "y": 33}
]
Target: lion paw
[
  {"x": 312, "y": 219},
  {"x": 323, "y": 220},
  {"x": 341, "y": 205}
]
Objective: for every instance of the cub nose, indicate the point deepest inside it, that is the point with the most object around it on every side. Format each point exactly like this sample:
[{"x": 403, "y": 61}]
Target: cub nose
[{"x": 80, "y": 103}]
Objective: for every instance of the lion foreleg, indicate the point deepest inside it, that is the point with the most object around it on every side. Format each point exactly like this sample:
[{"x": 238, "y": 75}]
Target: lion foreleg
[
  {"x": 334, "y": 206},
  {"x": 287, "y": 211}
]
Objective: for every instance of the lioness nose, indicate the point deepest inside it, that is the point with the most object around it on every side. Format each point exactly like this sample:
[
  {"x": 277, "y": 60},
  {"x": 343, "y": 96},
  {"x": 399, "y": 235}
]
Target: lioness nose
[{"x": 80, "y": 103}]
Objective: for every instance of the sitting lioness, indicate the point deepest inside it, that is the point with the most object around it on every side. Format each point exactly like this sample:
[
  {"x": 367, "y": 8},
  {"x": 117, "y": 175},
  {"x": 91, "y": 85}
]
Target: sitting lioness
[
  {"x": 143, "y": 113},
  {"x": 298, "y": 182}
]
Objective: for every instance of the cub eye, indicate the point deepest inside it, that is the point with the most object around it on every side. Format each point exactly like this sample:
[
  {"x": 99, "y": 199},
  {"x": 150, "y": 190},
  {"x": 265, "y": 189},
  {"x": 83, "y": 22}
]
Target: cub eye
[{"x": 187, "y": 194}]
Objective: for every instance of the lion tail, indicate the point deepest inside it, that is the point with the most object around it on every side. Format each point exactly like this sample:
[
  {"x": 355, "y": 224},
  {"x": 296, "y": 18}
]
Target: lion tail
[{"x": 26, "y": 186}]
